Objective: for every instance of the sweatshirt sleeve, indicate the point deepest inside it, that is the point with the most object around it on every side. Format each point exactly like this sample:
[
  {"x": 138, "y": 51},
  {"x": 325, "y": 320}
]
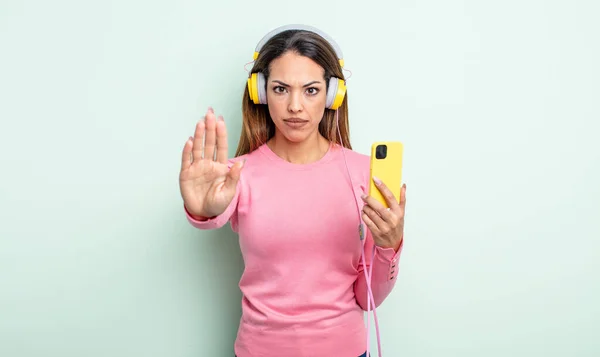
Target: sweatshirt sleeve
[{"x": 384, "y": 273}]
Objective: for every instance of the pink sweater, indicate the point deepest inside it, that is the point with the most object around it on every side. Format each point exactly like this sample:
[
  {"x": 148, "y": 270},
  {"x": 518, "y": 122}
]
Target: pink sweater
[{"x": 303, "y": 287}]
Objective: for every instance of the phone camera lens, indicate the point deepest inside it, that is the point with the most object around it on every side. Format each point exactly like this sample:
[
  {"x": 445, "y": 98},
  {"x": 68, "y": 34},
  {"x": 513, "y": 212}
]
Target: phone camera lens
[{"x": 381, "y": 152}]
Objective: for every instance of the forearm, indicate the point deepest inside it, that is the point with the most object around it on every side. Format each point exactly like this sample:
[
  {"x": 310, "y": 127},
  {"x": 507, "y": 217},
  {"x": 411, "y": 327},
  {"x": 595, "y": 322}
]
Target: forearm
[{"x": 384, "y": 275}]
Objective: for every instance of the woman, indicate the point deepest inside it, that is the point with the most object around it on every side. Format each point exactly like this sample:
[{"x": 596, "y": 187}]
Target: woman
[{"x": 295, "y": 194}]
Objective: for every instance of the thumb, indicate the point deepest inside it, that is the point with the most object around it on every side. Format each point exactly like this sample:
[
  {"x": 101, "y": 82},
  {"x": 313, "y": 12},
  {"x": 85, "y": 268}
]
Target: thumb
[{"x": 233, "y": 176}]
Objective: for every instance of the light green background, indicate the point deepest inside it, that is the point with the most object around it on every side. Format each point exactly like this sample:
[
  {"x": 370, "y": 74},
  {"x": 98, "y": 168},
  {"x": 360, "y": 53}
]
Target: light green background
[{"x": 496, "y": 102}]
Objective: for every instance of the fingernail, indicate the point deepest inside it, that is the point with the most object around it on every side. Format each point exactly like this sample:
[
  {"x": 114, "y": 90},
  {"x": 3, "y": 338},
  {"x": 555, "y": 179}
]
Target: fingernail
[
  {"x": 363, "y": 197},
  {"x": 210, "y": 109},
  {"x": 376, "y": 180},
  {"x": 191, "y": 138}
]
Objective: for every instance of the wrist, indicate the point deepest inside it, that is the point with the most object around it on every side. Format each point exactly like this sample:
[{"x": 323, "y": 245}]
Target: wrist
[
  {"x": 399, "y": 243},
  {"x": 392, "y": 245},
  {"x": 195, "y": 216}
]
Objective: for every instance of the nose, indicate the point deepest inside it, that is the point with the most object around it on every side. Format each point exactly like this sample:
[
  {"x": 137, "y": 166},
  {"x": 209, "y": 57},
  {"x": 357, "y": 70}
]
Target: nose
[{"x": 295, "y": 102}]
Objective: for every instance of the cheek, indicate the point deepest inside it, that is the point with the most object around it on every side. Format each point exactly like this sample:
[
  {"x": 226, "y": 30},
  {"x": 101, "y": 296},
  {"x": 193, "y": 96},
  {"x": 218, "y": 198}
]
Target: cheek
[
  {"x": 274, "y": 103},
  {"x": 317, "y": 106},
  {"x": 277, "y": 109}
]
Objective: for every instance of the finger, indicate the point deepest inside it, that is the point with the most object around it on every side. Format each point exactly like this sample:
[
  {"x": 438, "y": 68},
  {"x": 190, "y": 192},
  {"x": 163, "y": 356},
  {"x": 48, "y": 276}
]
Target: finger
[
  {"x": 375, "y": 218},
  {"x": 222, "y": 153},
  {"x": 233, "y": 176},
  {"x": 186, "y": 156},
  {"x": 210, "y": 139},
  {"x": 403, "y": 199},
  {"x": 198, "y": 142},
  {"x": 391, "y": 200},
  {"x": 377, "y": 206},
  {"x": 369, "y": 223}
]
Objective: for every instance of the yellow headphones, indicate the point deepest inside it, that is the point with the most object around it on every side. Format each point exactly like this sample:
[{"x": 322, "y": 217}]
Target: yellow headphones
[{"x": 337, "y": 87}]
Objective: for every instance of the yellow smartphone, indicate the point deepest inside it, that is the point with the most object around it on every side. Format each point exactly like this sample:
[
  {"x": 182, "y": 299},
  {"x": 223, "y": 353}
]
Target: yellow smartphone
[{"x": 386, "y": 164}]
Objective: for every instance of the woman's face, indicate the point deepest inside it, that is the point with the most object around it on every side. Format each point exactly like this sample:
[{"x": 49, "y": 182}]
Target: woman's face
[{"x": 296, "y": 96}]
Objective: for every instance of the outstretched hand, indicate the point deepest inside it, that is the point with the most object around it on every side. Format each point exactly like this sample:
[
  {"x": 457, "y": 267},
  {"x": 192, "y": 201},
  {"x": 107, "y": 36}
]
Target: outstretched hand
[
  {"x": 386, "y": 224},
  {"x": 206, "y": 183}
]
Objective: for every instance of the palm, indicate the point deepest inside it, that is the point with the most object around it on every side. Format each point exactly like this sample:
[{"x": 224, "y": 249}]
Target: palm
[{"x": 207, "y": 184}]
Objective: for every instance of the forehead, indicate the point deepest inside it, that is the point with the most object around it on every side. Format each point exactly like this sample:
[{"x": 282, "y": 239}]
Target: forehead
[{"x": 292, "y": 66}]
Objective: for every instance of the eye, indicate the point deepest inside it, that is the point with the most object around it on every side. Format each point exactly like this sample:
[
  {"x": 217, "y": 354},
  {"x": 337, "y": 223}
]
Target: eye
[
  {"x": 312, "y": 91},
  {"x": 278, "y": 89}
]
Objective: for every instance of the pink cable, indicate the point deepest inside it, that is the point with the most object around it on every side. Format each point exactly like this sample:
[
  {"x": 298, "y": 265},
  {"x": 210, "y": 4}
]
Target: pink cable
[{"x": 369, "y": 273}]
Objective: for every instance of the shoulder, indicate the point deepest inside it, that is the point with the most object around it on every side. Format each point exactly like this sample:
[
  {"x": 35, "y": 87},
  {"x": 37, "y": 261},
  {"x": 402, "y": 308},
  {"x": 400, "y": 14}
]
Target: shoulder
[
  {"x": 352, "y": 157},
  {"x": 353, "y": 162},
  {"x": 251, "y": 156},
  {"x": 254, "y": 163}
]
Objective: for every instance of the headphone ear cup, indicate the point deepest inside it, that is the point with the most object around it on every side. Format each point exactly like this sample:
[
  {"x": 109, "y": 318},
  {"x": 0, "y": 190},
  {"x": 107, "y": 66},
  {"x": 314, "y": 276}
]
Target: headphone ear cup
[
  {"x": 331, "y": 92},
  {"x": 261, "y": 88},
  {"x": 256, "y": 88},
  {"x": 252, "y": 88},
  {"x": 335, "y": 93}
]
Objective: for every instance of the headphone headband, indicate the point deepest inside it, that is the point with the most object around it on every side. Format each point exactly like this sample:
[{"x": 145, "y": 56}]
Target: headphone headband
[{"x": 268, "y": 36}]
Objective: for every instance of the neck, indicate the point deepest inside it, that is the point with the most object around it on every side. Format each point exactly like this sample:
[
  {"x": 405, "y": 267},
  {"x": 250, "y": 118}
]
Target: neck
[{"x": 305, "y": 152}]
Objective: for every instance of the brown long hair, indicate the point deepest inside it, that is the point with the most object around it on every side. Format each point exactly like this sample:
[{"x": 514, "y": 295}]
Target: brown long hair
[{"x": 257, "y": 125}]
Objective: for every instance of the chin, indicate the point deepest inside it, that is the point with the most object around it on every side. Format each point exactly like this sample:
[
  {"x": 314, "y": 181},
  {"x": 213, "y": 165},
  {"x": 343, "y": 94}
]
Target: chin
[{"x": 296, "y": 137}]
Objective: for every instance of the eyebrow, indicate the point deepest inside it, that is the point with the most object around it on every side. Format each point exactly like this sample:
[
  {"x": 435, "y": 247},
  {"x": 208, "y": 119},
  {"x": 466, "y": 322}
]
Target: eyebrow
[{"x": 287, "y": 85}]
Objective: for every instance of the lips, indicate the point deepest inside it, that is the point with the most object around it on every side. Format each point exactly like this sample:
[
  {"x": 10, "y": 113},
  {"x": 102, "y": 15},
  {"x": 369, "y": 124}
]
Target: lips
[
  {"x": 295, "y": 123},
  {"x": 295, "y": 120}
]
